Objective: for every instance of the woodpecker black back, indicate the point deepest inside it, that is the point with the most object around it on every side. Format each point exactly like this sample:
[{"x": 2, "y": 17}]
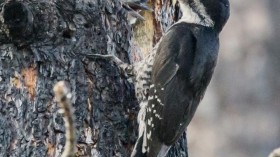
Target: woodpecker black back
[
  {"x": 177, "y": 84},
  {"x": 182, "y": 66}
]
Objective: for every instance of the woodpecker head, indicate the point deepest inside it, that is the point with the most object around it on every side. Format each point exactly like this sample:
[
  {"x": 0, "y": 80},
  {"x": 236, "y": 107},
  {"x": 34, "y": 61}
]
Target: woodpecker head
[{"x": 210, "y": 13}]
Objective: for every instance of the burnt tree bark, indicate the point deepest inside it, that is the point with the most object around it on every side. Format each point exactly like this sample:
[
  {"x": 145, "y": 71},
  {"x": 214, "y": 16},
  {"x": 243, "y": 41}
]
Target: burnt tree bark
[{"x": 43, "y": 42}]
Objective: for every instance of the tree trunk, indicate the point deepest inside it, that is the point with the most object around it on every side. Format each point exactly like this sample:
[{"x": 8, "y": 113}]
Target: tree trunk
[{"x": 43, "y": 42}]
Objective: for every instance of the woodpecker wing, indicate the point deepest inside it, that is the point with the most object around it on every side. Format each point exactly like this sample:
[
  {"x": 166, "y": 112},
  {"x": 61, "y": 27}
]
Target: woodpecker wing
[
  {"x": 171, "y": 73},
  {"x": 182, "y": 69}
]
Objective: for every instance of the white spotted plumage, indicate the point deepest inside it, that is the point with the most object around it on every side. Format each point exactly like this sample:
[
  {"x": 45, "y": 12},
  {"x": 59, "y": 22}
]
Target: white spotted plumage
[
  {"x": 142, "y": 81},
  {"x": 142, "y": 73},
  {"x": 158, "y": 116}
]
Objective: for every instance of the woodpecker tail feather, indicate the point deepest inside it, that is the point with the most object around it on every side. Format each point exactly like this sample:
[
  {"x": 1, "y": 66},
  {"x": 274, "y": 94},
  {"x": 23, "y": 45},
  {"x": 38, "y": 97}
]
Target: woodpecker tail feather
[
  {"x": 144, "y": 148},
  {"x": 137, "y": 151},
  {"x": 163, "y": 151}
]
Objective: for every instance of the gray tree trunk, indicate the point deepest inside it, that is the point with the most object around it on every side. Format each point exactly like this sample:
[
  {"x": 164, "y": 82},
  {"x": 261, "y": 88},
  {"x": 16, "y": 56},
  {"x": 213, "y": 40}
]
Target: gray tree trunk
[{"x": 43, "y": 42}]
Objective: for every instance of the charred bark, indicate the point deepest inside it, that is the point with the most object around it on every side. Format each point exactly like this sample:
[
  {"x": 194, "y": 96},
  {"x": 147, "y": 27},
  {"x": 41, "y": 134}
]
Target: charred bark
[{"x": 43, "y": 42}]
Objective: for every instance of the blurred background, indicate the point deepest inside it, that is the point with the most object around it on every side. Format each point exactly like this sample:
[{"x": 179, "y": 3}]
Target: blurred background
[{"x": 240, "y": 114}]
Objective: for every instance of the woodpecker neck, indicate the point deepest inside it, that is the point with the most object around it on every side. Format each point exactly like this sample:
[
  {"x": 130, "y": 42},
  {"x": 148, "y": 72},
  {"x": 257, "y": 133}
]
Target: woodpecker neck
[{"x": 194, "y": 12}]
